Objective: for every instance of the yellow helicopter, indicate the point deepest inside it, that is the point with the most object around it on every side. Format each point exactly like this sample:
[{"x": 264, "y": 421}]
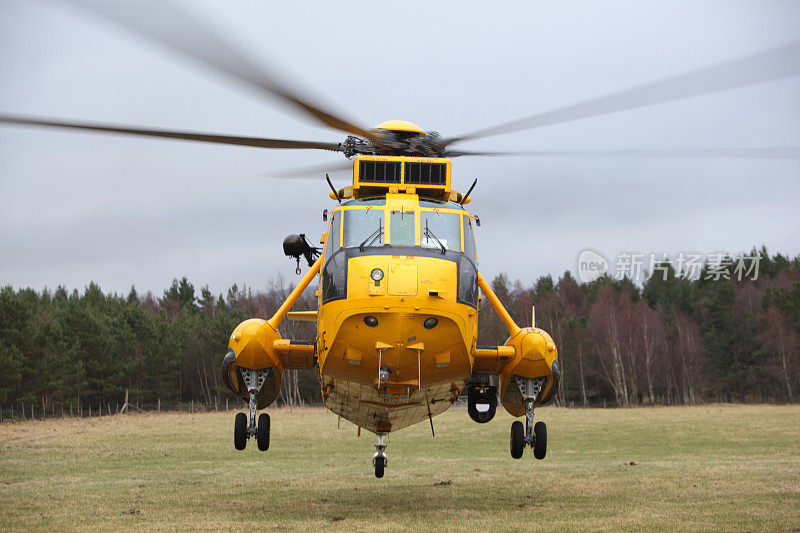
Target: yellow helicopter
[
  {"x": 398, "y": 280},
  {"x": 398, "y": 313}
]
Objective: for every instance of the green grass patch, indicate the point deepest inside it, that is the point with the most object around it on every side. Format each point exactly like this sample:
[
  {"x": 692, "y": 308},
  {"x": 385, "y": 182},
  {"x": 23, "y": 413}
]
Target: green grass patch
[{"x": 712, "y": 468}]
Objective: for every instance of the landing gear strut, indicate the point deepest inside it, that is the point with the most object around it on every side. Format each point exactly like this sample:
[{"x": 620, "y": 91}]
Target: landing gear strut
[
  {"x": 379, "y": 459},
  {"x": 242, "y": 430},
  {"x": 534, "y": 436}
]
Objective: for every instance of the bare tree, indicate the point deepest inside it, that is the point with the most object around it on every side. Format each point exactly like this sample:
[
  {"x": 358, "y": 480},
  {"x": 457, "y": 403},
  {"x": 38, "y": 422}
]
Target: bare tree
[{"x": 782, "y": 344}]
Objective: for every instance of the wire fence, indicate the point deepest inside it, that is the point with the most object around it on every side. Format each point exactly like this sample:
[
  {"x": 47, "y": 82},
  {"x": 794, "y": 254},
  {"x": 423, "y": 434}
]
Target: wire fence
[{"x": 22, "y": 411}]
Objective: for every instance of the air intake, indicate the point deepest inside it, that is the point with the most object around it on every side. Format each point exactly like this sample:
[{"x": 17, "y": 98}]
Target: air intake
[
  {"x": 426, "y": 173},
  {"x": 379, "y": 171}
]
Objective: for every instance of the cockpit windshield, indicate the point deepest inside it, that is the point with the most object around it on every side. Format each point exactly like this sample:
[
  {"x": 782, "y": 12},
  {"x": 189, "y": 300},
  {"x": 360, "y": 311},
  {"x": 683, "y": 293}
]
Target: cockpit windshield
[
  {"x": 369, "y": 222},
  {"x": 440, "y": 230},
  {"x": 425, "y": 228},
  {"x": 363, "y": 228}
]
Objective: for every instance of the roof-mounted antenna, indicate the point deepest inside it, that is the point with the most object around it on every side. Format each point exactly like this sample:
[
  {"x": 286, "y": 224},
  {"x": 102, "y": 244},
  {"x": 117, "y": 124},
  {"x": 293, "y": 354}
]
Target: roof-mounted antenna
[
  {"x": 464, "y": 198},
  {"x": 335, "y": 193}
]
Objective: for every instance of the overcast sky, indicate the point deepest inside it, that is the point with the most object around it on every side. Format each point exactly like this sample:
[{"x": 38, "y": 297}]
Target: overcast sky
[{"x": 125, "y": 211}]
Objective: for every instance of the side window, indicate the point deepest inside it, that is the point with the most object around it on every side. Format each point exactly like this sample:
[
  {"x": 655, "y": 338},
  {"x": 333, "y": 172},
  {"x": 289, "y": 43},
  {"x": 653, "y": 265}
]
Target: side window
[
  {"x": 402, "y": 228},
  {"x": 469, "y": 240},
  {"x": 467, "y": 282},
  {"x": 332, "y": 242},
  {"x": 334, "y": 278}
]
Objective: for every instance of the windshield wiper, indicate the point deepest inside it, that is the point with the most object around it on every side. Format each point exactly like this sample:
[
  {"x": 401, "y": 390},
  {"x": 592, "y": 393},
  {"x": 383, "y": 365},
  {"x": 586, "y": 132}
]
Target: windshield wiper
[
  {"x": 371, "y": 238},
  {"x": 429, "y": 233}
]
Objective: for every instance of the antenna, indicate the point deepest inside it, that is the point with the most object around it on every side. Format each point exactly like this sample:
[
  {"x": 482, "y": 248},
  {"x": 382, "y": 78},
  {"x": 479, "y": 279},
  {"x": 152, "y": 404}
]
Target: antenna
[
  {"x": 464, "y": 198},
  {"x": 335, "y": 193}
]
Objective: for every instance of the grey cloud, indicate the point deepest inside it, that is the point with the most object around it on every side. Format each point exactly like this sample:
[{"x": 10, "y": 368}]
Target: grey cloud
[{"x": 124, "y": 211}]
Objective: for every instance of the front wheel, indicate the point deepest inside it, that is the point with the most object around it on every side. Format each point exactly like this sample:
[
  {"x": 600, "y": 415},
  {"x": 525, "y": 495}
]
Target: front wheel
[
  {"x": 240, "y": 431},
  {"x": 380, "y": 464},
  {"x": 540, "y": 444},
  {"x": 517, "y": 439},
  {"x": 262, "y": 432}
]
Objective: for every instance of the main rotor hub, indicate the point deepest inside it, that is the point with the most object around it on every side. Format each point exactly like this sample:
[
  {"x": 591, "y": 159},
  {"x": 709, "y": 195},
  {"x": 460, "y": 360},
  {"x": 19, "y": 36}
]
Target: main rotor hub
[
  {"x": 399, "y": 125},
  {"x": 396, "y": 137}
]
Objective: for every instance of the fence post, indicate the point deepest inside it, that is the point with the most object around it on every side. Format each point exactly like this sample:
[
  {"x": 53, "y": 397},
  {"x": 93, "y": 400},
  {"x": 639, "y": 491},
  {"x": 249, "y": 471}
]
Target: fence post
[
  {"x": 33, "y": 413},
  {"x": 192, "y": 411},
  {"x": 90, "y": 410},
  {"x": 226, "y": 405},
  {"x": 100, "y": 407},
  {"x": 159, "y": 405}
]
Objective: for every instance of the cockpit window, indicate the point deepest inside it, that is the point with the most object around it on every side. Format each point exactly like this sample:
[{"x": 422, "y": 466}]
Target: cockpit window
[
  {"x": 363, "y": 227},
  {"x": 469, "y": 240},
  {"x": 334, "y": 233},
  {"x": 440, "y": 230},
  {"x": 402, "y": 228}
]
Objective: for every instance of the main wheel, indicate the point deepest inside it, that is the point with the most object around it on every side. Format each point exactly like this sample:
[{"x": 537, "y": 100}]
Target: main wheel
[
  {"x": 240, "y": 431},
  {"x": 380, "y": 464},
  {"x": 540, "y": 445},
  {"x": 517, "y": 439},
  {"x": 262, "y": 432}
]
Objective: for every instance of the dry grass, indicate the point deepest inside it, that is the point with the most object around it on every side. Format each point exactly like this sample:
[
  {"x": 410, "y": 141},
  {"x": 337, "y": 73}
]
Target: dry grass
[{"x": 702, "y": 468}]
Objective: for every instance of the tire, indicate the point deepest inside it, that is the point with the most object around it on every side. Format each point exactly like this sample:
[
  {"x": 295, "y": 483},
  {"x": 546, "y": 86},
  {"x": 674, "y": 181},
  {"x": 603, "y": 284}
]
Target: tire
[
  {"x": 517, "y": 439},
  {"x": 262, "y": 432},
  {"x": 540, "y": 445},
  {"x": 380, "y": 463},
  {"x": 240, "y": 431}
]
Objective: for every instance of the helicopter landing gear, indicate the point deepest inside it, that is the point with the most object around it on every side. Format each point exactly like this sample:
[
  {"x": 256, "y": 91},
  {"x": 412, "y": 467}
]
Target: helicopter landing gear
[
  {"x": 242, "y": 430},
  {"x": 262, "y": 432},
  {"x": 534, "y": 436},
  {"x": 379, "y": 459}
]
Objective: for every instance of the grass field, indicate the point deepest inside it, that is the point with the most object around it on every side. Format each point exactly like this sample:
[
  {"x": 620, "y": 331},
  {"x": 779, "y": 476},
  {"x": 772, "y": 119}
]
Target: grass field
[{"x": 731, "y": 468}]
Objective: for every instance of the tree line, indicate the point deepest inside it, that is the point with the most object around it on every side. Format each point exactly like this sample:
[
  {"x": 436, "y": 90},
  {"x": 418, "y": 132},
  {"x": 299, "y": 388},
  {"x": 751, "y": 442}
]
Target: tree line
[{"x": 669, "y": 341}]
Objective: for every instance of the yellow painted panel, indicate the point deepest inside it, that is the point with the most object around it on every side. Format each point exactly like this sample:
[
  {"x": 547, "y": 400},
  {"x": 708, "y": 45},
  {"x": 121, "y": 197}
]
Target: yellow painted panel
[{"x": 402, "y": 279}]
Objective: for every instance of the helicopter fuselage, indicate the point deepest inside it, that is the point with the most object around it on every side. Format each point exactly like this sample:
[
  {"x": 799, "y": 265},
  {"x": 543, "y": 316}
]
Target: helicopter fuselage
[
  {"x": 397, "y": 319},
  {"x": 397, "y": 315}
]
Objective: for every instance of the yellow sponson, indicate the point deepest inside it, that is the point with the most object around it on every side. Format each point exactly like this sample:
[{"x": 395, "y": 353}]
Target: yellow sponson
[
  {"x": 253, "y": 345},
  {"x": 535, "y": 355},
  {"x": 399, "y": 125}
]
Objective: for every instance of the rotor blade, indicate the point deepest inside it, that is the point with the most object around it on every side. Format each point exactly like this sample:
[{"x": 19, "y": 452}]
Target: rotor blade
[
  {"x": 258, "y": 142},
  {"x": 170, "y": 27},
  {"x": 311, "y": 171},
  {"x": 776, "y": 152},
  {"x": 459, "y": 153},
  {"x": 774, "y": 64}
]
